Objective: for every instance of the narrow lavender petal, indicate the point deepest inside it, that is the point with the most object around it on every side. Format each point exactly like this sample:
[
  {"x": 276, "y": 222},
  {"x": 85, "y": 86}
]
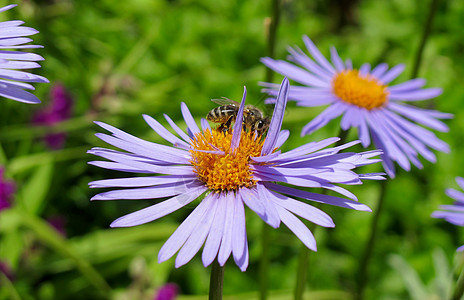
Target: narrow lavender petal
[
  {"x": 340, "y": 190},
  {"x": 116, "y": 167},
  {"x": 424, "y": 135},
  {"x": 308, "y": 148},
  {"x": 211, "y": 248},
  {"x": 387, "y": 163},
  {"x": 14, "y": 84},
  {"x": 317, "y": 54},
  {"x": 7, "y": 7},
  {"x": 372, "y": 176},
  {"x": 460, "y": 182},
  {"x": 414, "y": 95},
  {"x": 160, "y": 152},
  {"x": 323, "y": 118},
  {"x": 298, "y": 228},
  {"x": 146, "y": 144},
  {"x": 140, "y": 181},
  {"x": 242, "y": 262},
  {"x": 349, "y": 64},
  {"x": 18, "y": 95},
  {"x": 298, "y": 181},
  {"x": 455, "y": 194},
  {"x": 11, "y": 64},
  {"x": 271, "y": 216},
  {"x": 176, "y": 128},
  {"x": 418, "y": 145},
  {"x": 304, "y": 210},
  {"x": 237, "y": 130},
  {"x": 409, "y": 85},
  {"x": 197, "y": 237},
  {"x": 379, "y": 70},
  {"x": 178, "y": 238},
  {"x": 415, "y": 115},
  {"x": 22, "y": 76},
  {"x": 158, "y": 210},
  {"x": 163, "y": 132},
  {"x": 226, "y": 244},
  {"x": 14, "y": 41},
  {"x": 205, "y": 125},
  {"x": 18, "y": 55},
  {"x": 391, "y": 149},
  {"x": 336, "y": 60},
  {"x": 326, "y": 199},
  {"x": 13, "y": 23},
  {"x": 159, "y": 191},
  {"x": 9, "y": 30},
  {"x": 392, "y": 74},
  {"x": 238, "y": 230},
  {"x": 172, "y": 170},
  {"x": 277, "y": 117},
  {"x": 250, "y": 197},
  {"x": 363, "y": 131},
  {"x": 455, "y": 208},
  {"x": 364, "y": 69},
  {"x": 282, "y": 137},
  {"x": 350, "y": 118},
  {"x": 456, "y": 218},
  {"x": 299, "y": 57},
  {"x": 192, "y": 126},
  {"x": 293, "y": 72}
]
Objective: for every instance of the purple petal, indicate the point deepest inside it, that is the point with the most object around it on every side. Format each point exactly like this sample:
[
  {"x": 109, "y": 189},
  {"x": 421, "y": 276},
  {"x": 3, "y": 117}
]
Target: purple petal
[
  {"x": 392, "y": 74},
  {"x": 158, "y": 210},
  {"x": 293, "y": 72},
  {"x": 276, "y": 121},
  {"x": 192, "y": 126},
  {"x": 283, "y": 136},
  {"x": 379, "y": 70},
  {"x": 416, "y": 115},
  {"x": 178, "y": 238},
  {"x": 271, "y": 217},
  {"x": 299, "y": 57},
  {"x": 163, "y": 132},
  {"x": 409, "y": 85},
  {"x": 337, "y": 61},
  {"x": 317, "y": 55},
  {"x": 323, "y": 118},
  {"x": 226, "y": 243},
  {"x": 210, "y": 251},
  {"x": 414, "y": 95},
  {"x": 364, "y": 69},
  {"x": 140, "y": 181},
  {"x": 198, "y": 236},
  {"x": 326, "y": 199},
  {"x": 456, "y": 195},
  {"x": 18, "y": 95},
  {"x": 238, "y": 231},
  {"x": 298, "y": 228},
  {"x": 251, "y": 199},
  {"x": 237, "y": 130},
  {"x": 176, "y": 128},
  {"x": 460, "y": 182}
]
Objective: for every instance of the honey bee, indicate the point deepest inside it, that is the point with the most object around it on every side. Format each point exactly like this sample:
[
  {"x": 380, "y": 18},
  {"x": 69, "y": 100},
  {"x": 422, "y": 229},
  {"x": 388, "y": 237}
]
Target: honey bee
[{"x": 253, "y": 118}]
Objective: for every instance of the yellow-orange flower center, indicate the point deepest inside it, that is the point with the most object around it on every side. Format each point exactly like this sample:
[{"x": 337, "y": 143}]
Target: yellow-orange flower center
[
  {"x": 361, "y": 90},
  {"x": 228, "y": 171}
]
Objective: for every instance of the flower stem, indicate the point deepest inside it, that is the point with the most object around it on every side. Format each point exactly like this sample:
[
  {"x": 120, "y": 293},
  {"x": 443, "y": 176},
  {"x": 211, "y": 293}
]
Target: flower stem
[
  {"x": 271, "y": 41},
  {"x": 303, "y": 259},
  {"x": 362, "y": 277},
  {"x": 425, "y": 35},
  {"x": 459, "y": 288},
  {"x": 216, "y": 281}
]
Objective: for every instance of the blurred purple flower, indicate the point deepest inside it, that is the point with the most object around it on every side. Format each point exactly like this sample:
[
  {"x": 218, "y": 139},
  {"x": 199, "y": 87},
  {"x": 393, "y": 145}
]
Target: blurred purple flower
[
  {"x": 366, "y": 102},
  {"x": 168, "y": 291},
  {"x": 6, "y": 270},
  {"x": 58, "y": 222},
  {"x": 13, "y": 82},
  {"x": 7, "y": 188},
  {"x": 59, "y": 110},
  {"x": 453, "y": 213},
  {"x": 231, "y": 169}
]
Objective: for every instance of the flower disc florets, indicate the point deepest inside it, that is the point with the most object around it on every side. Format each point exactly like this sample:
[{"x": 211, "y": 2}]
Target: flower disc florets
[
  {"x": 363, "y": 91},
  {"x": 227, "y": 171}
]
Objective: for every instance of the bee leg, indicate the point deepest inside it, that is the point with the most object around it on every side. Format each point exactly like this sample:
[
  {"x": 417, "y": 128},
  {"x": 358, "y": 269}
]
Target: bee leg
[{"x": 226, "y": 126}]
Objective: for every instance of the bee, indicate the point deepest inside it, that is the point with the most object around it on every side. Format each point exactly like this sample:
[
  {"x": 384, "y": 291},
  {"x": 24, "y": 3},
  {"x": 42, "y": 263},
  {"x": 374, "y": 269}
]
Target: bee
[{"x": 253, "y": 118}]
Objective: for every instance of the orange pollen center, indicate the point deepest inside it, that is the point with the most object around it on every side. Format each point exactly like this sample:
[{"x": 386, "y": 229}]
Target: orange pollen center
[
  {"x": 361, "y": 90},
  {"x": 228, "y": 171}
]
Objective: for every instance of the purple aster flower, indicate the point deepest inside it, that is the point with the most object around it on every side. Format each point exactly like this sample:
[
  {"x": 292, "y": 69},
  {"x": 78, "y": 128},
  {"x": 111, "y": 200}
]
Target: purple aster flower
[
  {"x": 231, "y": 169},
  {"x": 7, "y": 189},
  {"x": 453, "y": 213},
  {"x": 59, "y": 110},
  {"x": 367, "y": 102},
  {"x": 13, "y": 82},
  {"x": 168, "y": 291}
]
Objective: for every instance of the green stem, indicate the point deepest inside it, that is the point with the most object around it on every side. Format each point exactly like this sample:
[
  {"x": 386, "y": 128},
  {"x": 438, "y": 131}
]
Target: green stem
[
  {"x": 303, "y": 259},
  {"x": 216, "y": 281},
  {"x": 264, "y": 262},
  {"x": 459, "y": 288},
  {"x": 425, "y": 35},
  {"x": 362, "y": 277}
]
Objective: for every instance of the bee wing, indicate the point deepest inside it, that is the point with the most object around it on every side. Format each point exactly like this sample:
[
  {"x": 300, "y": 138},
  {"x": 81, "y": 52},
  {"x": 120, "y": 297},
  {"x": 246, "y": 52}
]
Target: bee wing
[{"x": 225, "y": 101}]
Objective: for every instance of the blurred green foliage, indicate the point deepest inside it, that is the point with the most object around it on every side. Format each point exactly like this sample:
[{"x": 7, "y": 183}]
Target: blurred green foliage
[{"x": 120, "y": 59}]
